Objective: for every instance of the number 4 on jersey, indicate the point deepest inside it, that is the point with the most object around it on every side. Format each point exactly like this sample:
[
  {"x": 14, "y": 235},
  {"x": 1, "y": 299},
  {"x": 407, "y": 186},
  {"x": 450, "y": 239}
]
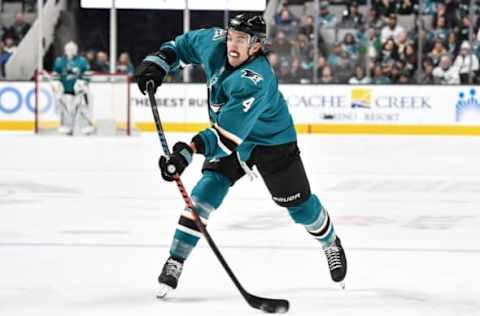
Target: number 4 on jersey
[{"x": 247, "y": 104}]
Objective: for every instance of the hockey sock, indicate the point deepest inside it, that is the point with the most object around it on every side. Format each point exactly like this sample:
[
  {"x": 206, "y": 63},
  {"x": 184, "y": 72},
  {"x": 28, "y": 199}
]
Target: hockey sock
[
  {"x": 207, "y": 195},
  {"x": 313, "y": 216},
  {"x": 187, "y": 234}
]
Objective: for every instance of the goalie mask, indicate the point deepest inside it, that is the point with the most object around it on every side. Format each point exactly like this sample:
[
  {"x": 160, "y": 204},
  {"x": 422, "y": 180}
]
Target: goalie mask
[{"x": 71, "y": 49}]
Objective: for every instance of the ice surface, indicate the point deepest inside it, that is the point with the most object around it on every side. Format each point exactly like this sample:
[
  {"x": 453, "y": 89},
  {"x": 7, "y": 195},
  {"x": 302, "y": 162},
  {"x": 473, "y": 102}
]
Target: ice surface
[{"x": 85, "y": 226}]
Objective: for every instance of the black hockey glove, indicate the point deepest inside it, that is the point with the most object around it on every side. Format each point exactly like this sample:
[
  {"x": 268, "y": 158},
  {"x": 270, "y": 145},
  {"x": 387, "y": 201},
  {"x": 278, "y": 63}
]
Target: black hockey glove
[
  {"x": 150, "y": 69},
  {"x": 180, "y": 158}
]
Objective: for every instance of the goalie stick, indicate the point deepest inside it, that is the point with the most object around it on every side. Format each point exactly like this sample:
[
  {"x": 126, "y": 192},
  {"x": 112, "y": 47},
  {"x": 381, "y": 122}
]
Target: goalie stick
[{"x": 268, "y": 305}]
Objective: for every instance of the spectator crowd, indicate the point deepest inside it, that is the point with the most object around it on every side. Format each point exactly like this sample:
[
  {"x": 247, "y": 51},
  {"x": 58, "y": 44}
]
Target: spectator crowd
[
  {"x": 392, "y": 41},
  {"x": 10, "y": 36}
]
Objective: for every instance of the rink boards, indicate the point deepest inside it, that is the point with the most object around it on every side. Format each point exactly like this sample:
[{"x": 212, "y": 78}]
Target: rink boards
[{"x": 336, "y": 109}]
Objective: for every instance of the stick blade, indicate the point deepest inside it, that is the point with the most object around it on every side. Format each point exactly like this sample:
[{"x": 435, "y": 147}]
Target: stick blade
[{"x": 268, "y": 305}]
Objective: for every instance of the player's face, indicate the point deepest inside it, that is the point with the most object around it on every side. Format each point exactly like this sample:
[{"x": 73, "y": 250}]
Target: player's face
[{"x": 239, "y": 48}]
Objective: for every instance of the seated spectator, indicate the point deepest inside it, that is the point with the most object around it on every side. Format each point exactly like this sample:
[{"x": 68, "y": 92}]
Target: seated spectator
[
  {"x": 303, "y": 49},
  {"x": 299, "y": 74},
  {"x": 321, "y": 63},
  {"x": 464, "y": 28},
  {"x": 124, "y": 66},
  {"x": 448, "y": 9},
  {"x": 453, "y": 46},
  {"x": 286, "y": 21},
  {"x": 9, "y": 45},
  {"x": 350, "y": 46},
  {"x": 18, "y": 30},
  {"x": 334, "y": 56},
  {"x": 466, "y": 63},
  {"x": 384, "y": 7},
  {"x": 445, "y": 72},
  {"x": 440, "y": 30},
  {"x": 378, "y": 76},
  {"x": 402, "y": 43},
  {"x": 90, "y": 57},
  {"x": 389, "y": 51},
  {"x": 344, "y": 69},
  {"x": 326, "y": 19},
  {"x": 307, "y": 27},
  {"x": 281, "y": 45},
  {"x": 409, "y": 57},
  {"x": 284, "y": 74},
  {"x": 395, "y": 71},
  {"x": 392, "y": 29},
  {"x": 429, "y": 7},
  {"x": 404, "y": 78},
  {"x": 359, "y": 77},
  {"x": 426, "y": 76},
  {"x": 437, "y": 52},
  {"x": 327, "y": 75},
  {"x": 101, "y": 63},
  {"x": 274, "y": 61},
  {"x": 374, "y": 44},
  {"x": 387, "y": 68},
  {"x": 352, "y": 18},
  {"x": 405, "y": 7},
  {"x": 375, "y": 20}
]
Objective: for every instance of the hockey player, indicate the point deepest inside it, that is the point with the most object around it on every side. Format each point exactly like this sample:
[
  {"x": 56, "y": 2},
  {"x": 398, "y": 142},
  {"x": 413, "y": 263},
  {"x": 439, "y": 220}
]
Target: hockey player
[
  {"x": 71, "y": 70},
  {"x": 250, "y": 125}
]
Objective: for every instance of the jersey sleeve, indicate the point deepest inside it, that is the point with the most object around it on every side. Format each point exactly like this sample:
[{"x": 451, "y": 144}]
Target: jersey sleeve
[
  {"x": 247, "y": 101},
  {"x": 190, "y": 47}
]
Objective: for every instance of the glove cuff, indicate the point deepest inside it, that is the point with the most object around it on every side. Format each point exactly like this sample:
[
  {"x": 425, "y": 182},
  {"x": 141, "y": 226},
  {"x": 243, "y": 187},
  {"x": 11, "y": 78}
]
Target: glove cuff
[
  {"x": 184, "y": 150},
  {"x": 159, "y": 61},
  {"x": 199, "y": 144}
]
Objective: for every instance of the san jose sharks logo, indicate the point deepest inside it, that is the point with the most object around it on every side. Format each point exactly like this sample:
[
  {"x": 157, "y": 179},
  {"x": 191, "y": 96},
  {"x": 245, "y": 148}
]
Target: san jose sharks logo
[
  {"x": 252, "y": 75},
  {"x": 219, "y": 34}
]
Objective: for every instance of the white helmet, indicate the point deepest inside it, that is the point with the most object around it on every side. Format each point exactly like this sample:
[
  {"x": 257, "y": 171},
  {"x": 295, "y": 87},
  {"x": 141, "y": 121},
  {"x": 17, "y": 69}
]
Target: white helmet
[{"x": 71, "y": 49}]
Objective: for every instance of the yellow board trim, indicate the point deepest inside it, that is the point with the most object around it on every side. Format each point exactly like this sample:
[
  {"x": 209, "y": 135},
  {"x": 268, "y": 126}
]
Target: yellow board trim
[
  {"x": 301, "y": 128},
  {"x": 340, "y": 129},
  {"x": 17, "y": 125}
]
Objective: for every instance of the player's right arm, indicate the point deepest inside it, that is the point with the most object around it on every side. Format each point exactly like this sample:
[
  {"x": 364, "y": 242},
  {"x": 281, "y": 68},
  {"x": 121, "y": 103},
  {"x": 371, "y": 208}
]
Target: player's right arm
[{"x": 189, "y": 48}]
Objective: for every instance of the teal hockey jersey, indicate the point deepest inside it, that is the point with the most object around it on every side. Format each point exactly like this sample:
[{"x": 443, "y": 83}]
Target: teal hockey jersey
[
  {"x": 70, "y": 70},
  {"x": 245, "y": 105}
]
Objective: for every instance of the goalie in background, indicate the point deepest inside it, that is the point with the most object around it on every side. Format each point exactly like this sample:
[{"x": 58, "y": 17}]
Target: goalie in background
[{"x": 70, "y": 85}]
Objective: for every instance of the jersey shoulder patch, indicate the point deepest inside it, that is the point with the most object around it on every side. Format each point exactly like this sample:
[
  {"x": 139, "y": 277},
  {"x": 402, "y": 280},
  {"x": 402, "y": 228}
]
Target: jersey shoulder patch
[
  {"x": 252, "y": 75},
  {"x": 219, "y": 34}
]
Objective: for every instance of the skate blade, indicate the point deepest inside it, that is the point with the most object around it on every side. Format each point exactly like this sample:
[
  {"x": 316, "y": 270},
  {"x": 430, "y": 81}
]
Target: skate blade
[
  {"x": 163, "y": 290},
  {"x": 342, "y": 285}
]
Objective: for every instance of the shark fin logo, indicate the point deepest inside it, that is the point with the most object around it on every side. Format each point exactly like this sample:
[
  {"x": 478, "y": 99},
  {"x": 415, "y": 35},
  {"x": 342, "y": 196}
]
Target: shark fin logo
[
  {"x": 361, "y": 98},
  {"x": 467, "y": 108},
  {"x": 252, "y": 75},
  {"x": 219, "y": 34}
]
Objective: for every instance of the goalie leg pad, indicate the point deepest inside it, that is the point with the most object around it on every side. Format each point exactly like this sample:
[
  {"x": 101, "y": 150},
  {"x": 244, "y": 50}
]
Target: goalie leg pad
[{"x": 207, "y": 195}]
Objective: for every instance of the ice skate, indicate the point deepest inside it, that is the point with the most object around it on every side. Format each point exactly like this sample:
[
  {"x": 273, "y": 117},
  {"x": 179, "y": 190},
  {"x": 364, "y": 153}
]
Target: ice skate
[
  {"x": 88, "y": 130},
  {"x": 65, "y": 130},
  {"x": 168, "y": 279},
  {"x": 337, "y": 262}
]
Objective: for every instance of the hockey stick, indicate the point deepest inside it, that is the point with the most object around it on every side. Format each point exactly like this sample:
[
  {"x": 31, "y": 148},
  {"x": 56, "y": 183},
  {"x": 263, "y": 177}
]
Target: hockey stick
[{"x": 268, "y": 305}]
